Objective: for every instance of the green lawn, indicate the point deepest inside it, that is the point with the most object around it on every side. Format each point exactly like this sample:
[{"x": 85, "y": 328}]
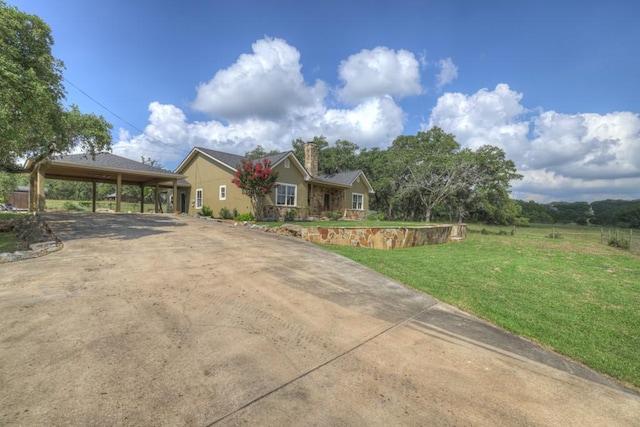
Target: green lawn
[
  {"x": 347, "y": 223},
  {"x": 8, "y": 241},
  {"x": 571, "y": 294}
]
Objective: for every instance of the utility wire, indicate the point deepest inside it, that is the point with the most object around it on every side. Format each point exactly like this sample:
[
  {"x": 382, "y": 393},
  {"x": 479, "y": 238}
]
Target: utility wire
[{"x": 119, "y": 117}]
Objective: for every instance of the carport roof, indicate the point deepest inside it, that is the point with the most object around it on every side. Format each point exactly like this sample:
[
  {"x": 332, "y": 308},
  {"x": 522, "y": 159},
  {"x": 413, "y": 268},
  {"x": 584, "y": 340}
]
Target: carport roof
[{"x": 105, "y": 167}]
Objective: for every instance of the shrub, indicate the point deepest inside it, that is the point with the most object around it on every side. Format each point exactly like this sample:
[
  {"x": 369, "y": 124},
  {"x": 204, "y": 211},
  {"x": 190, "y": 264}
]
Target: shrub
[
  {"x": 225, "y": 214},
  {"x": 290, "y": 215},
  {"x": 554, "y": 235},
  {"x": 618, "y": 242},
  {"x": 375, "y": 216},
  {"x": 235, "y": 213},
  {"x": 70, "y": 206},
  {"x": 245, "y": 217},
  {"x": 206, "y": 211},
  {"x": 332, "y": 215}
]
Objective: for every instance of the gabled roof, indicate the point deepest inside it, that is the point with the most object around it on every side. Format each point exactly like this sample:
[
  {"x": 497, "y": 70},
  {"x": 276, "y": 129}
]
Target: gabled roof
[
  {"x": 291, "y": 157},
  {"x": 231, "y": 161},
  {"x": 344, "y": 179}
]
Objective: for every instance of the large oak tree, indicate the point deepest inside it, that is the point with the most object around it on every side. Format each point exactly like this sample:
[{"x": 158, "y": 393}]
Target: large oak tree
[{"x": 34, "y": 124}]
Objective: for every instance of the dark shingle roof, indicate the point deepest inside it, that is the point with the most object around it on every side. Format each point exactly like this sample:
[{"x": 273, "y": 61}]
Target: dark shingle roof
[
  {"x": 233, "y": 160},
  {"x": 275, "y": 158},
  {"x": 342, "y": 178},
  {"x": 108, "y": 160}
]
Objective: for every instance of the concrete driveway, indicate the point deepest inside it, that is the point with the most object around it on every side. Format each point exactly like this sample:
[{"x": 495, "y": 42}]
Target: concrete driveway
[{"x": 164, "y": 320}]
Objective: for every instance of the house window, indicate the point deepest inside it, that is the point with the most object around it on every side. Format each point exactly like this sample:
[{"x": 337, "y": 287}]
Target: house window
[
  {"x": 287, "y": 163},
  {"x": 357, "y": 201},
  {"x": 223, "y": 192},
  {"x": 199, "y": 198},
  {"x": 286, "y": 195}
]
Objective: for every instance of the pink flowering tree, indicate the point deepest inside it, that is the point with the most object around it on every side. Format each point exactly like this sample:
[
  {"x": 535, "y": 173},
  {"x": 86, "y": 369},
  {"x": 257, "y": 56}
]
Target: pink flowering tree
[{"x": 256, "y": 180}]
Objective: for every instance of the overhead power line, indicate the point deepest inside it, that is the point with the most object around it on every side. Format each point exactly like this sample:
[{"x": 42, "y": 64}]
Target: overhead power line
[{"x": 120, "y": 117}]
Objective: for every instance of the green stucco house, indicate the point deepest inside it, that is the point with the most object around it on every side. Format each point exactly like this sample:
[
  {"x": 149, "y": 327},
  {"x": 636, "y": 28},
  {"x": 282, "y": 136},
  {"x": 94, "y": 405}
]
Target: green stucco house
[{"x": 299, "y": 188}]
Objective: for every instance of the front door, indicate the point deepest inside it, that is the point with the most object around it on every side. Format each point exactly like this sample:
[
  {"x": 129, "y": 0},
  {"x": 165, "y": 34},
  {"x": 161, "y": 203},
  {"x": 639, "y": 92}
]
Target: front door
[
  {"x": 327, "y": 202},
  {"x": 183, "y": 203}
]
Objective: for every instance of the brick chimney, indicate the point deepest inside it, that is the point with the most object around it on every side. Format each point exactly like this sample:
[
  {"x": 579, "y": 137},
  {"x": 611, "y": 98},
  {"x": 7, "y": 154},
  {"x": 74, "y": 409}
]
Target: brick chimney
[{"x": 311, "y": 158}]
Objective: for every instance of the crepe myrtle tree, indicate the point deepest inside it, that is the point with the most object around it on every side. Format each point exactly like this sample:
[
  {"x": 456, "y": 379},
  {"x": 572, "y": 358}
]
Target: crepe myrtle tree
[{"x": 256, "y": 180}]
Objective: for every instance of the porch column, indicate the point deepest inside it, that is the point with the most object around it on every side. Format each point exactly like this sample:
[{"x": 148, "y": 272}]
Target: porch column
[
  {"x": 118, "y": 192},
  {"x": 141, "y": 198},
  {"x": 175, "y": 195},
  {"x": 93, "y": 197}
]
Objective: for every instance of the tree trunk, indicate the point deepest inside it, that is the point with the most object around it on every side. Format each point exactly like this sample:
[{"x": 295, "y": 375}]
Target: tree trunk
[{"x": 428, "y": 215}]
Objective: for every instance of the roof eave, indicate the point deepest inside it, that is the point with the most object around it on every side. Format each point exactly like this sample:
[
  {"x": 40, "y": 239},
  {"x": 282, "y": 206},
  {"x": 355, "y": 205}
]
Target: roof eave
[{"x": 168, "y": 175}]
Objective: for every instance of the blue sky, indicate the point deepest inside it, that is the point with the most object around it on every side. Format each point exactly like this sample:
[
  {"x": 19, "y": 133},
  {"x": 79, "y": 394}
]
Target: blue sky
[{"x": 555, "y": 84}]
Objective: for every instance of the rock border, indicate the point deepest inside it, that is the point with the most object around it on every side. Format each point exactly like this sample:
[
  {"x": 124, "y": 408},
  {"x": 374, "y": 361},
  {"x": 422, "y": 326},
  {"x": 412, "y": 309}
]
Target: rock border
[{"x": 35, "y": 232}]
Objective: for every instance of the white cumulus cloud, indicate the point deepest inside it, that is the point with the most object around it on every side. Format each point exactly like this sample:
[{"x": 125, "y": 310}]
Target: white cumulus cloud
[
  {"x": 379, "y": 72},
  {"x": 486, "y": 117},
  {"x": 562, "y": 156},
  {"x": 448, "y": 72},
  {"x": 262, "y": 98},
  {"x": 265, "y": 84}
]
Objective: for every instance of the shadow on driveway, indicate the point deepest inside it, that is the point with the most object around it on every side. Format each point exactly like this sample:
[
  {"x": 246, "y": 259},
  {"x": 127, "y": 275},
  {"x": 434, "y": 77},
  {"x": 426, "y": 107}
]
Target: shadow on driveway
[{"x": 123, "y": 226}]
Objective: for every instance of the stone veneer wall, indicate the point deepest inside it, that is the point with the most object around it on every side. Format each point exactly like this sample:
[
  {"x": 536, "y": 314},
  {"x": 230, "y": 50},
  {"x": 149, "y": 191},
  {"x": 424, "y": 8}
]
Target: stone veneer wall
[{"x": 385, "y": 237}]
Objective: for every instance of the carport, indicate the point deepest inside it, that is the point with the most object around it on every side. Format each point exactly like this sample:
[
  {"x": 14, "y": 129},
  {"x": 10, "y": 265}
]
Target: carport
[{"x": 104, "y": 168}]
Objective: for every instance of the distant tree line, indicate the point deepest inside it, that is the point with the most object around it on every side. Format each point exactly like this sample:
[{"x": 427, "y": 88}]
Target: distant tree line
[
  {"x": 427, "y": 177},
  {"x": 614, "y": 213}
]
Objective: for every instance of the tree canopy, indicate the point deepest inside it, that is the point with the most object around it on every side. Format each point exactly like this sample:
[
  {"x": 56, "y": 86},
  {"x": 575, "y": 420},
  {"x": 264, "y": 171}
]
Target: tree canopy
[
  {"x": 428, "y": 175},
  {"x": 34, "y": 124}
]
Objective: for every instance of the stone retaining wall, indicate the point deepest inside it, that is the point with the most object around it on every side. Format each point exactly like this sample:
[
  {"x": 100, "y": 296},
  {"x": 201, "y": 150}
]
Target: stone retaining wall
[{"x": 385, "y": 237}]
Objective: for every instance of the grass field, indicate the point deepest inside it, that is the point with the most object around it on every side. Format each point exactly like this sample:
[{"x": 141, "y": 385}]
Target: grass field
[
  {"x": 66, "y": 205},
  {"x": 572, "y": 294}
]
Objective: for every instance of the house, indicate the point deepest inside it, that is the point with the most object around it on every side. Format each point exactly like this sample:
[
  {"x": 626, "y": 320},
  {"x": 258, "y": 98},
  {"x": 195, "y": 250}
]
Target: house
[{"x": 300, "y": 189}]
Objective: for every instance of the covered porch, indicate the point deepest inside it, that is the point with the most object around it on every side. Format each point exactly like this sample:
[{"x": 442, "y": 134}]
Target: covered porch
[{"x": 326, "y": 198}]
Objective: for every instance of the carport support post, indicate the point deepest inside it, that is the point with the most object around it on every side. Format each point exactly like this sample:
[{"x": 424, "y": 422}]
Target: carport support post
[
  {"x": 118, "y": 191},
  {"x": 93, "y": 196},
  {"x": 33, "y": 190},
  {"x": 157, "y": 198},
  {"x": 36, "y": 189},
  {"x": 141, "y": 198},
  {"x": 175, "y": 195}
]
